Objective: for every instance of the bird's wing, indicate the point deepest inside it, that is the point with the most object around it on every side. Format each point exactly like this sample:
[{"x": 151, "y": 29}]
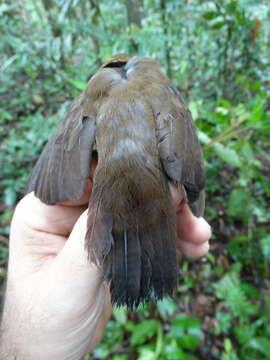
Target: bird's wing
[
  {"x": 61, "y": 171},
  {"x": 179, "y": 148}
]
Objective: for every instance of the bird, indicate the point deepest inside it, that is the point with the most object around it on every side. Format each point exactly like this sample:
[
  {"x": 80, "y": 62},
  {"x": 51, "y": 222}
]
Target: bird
[{"x": 136, "y": 122}]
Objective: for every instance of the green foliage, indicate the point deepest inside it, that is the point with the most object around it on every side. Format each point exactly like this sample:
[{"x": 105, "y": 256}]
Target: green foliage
[
  {"x": 148, "y": 339},
  {"x": 232, "y": 291},
  {"x": 217, "y": 54}
]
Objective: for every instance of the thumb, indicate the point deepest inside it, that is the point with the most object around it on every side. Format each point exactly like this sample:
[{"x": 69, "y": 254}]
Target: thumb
[
  {"x": 73, "y": 259},
  {"x": 78, "y": 282}
]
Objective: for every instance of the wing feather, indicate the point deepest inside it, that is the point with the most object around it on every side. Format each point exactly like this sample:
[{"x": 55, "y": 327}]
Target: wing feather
[
  {"x": 179, "y": 147},
  {"x": 61, "y": 171}
]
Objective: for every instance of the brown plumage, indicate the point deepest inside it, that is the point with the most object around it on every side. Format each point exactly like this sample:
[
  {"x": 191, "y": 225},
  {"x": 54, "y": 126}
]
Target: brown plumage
[{"x": 144, "y": 136}]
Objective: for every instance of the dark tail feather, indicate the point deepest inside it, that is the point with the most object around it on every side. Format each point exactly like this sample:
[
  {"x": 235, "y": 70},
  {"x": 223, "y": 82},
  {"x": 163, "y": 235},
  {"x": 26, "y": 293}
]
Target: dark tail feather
[
  {"x": 147, "y": 253},
  {"x": 126, "y": 269},
  {"x": 132, "y": 236},
  {"x": 159, "y": 245},
  {"x": 139, "y": 265}
]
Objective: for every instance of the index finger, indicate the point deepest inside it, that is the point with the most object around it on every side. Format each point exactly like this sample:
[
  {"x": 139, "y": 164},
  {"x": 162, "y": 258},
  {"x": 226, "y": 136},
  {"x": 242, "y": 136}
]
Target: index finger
[{"x": 56, "y": 219}]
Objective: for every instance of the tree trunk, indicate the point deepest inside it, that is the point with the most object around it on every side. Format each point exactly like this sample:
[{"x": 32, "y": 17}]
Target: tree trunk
[{"x": 134, "y": 16}]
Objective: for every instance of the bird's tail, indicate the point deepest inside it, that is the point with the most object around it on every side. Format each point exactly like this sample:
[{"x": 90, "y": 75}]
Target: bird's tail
[{"x": 131, "y": 232}]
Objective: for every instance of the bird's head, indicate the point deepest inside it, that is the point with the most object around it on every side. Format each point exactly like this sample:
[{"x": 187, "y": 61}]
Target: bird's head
[{"x": 117, "y": 60}]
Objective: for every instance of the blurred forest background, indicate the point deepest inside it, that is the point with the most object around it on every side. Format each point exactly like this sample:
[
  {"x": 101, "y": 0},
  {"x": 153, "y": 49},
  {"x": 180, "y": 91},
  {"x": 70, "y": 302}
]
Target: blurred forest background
[{"x": 218, "y": 54}]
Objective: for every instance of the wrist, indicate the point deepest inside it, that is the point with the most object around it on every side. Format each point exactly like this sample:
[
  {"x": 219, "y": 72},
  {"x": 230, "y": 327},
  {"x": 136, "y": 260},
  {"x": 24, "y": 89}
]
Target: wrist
[
  {"x": 24, "y": 338},
  {"x": 17, "y": 344},
  {"x": 30, "y": 332},
  {"x": 7, "y": 351}
]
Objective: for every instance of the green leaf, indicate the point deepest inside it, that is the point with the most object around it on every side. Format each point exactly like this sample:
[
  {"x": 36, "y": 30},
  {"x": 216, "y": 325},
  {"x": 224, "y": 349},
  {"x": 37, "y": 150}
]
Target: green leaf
[
  {"x": 9, "y": 196},
  {"x": 260, "y": 345},
  {"x": 194, "y": 107},
  {"x": 204, "y": 138},
  {"x": 6, "y": 216},
  {"x": 80, "y": 85},
  {"x": 228, "y": 155},
  {"x": 265, "y": 247},
  {"x": 5, "y": 115},
  {"x": 143, "y": 331},
  {"x": 238, "y": 202},
  {"x": 249, "y": 290},
  {"x": 257, "y": 113},
  {"x": 229, "y": 289},
  {"x": 244, "y": 333},
  {"x": 187, "y": 330},
  {"x": 229, "y": 353},
  {"x": 120, "y": 357},
  {"x": 146, "y": 354},
  {"x": 218, "y": 25},
  {"x": 173, "y": 351},
  {"x": 224, "y": 322},
  {"x": 167, "y": 307},
  {"x": 120, "y": 315},
  {"x": 209, "y": 15},
  {"x": 247, "y": 151},
  {"x": 227, "y": 345}
]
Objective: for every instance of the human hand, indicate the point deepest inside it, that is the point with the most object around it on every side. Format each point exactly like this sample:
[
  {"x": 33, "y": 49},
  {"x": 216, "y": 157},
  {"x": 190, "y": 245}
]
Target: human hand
[{"x": 56, "y": 305}]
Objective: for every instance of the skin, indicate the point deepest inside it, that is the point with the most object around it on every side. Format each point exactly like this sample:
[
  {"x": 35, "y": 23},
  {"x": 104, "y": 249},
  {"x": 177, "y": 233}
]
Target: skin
[{"x": 56, "y": 306}]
